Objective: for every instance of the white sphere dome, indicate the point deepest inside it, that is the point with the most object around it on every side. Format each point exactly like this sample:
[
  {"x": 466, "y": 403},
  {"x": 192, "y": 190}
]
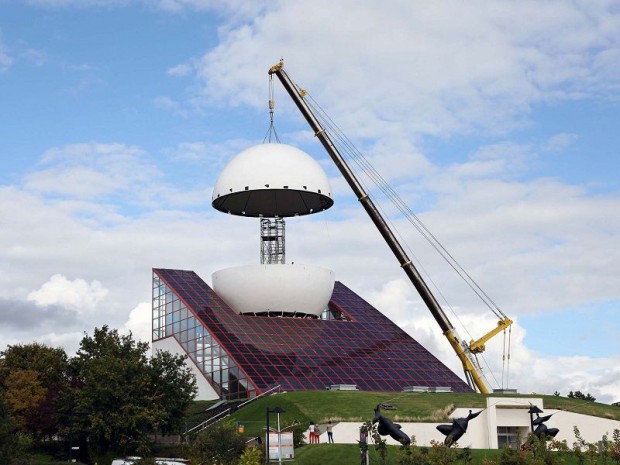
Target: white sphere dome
[
  {"x": 272, "y": 180},
  {"x": 275, "y": 288}
]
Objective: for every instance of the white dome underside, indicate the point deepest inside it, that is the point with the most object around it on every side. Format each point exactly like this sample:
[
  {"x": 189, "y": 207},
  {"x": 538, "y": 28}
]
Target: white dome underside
[
  {"x": 272, "y": 180},
  {"x": 280, "y": 288}
]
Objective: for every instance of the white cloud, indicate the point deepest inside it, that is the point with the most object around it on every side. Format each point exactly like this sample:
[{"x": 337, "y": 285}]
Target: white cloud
[
  {"x": 559, "y": 142},
  {"x": 437, "y": 68},
  {"x": 91, "y": 170},
  {"x": 529, "y": 243},
  {"x": 215, "y": 155},
  {"x": 113, "y": 175},
  {"x": 140, "y": 322},
  {"x": 180, "y": 70},
  {"x": 36, "y": 57},
  {"x": 529, "y": 370},
  {"x": 74, "y": 294},
  {"x": 69, "y": 340},
  {"x": 5, "y": 58},
  {"x": 79, "y": 3},
  {"x": 168, "y": 103},
  {"x": 391, "y": 74},
  {"x": 234, "y": 9}
]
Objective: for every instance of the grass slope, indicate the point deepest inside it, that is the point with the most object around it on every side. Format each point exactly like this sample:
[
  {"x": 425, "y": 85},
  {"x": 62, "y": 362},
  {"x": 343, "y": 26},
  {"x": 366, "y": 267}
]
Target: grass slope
[
  {"x": 348, "y": 454},
  {"x": 355, "y": 406}
]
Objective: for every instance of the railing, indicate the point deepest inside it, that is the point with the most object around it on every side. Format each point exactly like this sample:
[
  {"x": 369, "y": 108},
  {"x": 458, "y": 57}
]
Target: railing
[{"x": 223, "y": 414}]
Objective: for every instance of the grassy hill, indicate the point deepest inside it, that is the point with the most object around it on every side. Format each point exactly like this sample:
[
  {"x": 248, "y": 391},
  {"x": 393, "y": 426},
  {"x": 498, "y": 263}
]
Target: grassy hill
[{"x": 356, "y": 406}]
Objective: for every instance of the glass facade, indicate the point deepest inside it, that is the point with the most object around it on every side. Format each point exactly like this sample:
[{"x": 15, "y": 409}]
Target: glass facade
[
  {"x": 244, "y": 355},
  {"x": 171, "y": 317}
]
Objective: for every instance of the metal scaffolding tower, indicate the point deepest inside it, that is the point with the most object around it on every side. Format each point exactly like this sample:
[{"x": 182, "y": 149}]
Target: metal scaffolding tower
[{"x": 272, "y": 240}]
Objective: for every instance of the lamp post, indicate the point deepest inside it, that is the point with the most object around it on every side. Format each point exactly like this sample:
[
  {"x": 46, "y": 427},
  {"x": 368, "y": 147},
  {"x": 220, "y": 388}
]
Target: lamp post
[{"x": 278, "y": 411}]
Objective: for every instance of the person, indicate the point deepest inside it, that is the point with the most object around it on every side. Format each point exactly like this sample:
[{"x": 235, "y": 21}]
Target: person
[
  {"x": 312, "y": 432},
  {"x": 363, "y": 447},
  {"x": 330, "y": 435},
  {"x": 317, "y": 434}
]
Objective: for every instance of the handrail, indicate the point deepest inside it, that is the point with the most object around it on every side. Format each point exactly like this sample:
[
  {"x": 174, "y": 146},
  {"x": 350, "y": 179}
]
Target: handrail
[{"x": 224, "y": 413}]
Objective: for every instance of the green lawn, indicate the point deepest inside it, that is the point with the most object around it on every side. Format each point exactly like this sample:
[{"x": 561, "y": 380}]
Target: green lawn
[
  {"x": 321, "y": 406},
  {"x": 349, "y": 454}
]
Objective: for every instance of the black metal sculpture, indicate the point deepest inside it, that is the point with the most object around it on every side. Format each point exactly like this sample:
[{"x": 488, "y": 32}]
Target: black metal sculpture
[
  {"x": 539, "y": 429},
  {"x": 542, "y": 429},
  {"x": 457, "y": 429},
  {"x": 386, "y": 427}
]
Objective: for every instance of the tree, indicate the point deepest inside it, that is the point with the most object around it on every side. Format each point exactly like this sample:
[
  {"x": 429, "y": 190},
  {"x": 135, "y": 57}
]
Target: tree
[
  {"x": 174, "y": 388},
  {"x": 42, "y": 371},
  {"x": 580, "y": 395},
  {"x": 118, "y": 395},
  {"x": 24, "y": 394},
  {"x": 50, "y": 363},
  {"x": 8, "y": 435}
]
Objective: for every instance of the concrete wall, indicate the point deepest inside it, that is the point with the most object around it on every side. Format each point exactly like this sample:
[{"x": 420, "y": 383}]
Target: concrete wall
[
  {"x": 591, "y": 429},
  {"x": 349, "y": 433},
  {"x": 205, "y": 390},
  {"x": 482, "y": 430}
]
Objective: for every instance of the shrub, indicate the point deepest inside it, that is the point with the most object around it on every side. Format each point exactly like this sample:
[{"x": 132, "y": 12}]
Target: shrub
[
  {"x": 251, "y": 456},
  {"x": 220, "y": 443},
  {"x": 298, "y": 433}
]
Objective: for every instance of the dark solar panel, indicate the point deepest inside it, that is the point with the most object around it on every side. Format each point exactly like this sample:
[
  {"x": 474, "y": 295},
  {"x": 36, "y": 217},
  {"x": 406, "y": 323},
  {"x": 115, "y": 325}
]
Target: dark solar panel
[{"x": 303, "y": 354}]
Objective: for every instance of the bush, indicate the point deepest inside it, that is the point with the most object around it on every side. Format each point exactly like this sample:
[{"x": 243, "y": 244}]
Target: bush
[
  {"x": 251, "y": 456},
  {"x": 514, "y": 457},
  {"x": 437, "y": 454},
  {"x": 220, "y": 443},
  {"x": 298, "y": 433}
]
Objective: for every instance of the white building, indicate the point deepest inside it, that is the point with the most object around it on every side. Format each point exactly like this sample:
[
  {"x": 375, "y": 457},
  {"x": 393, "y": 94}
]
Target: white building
[{"x": 502, "y": 422}]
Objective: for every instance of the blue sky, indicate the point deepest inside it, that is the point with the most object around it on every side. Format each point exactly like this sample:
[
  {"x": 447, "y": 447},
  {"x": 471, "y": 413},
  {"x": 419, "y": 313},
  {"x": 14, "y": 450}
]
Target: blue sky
[{"x": 497, "y": 122}]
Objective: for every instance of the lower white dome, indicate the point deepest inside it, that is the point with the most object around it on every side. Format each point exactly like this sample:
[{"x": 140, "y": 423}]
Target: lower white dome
[{"x": 285, "y": 288}]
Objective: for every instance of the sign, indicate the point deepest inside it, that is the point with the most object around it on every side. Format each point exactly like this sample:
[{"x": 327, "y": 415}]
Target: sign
[{"x": 286, "y": 446}]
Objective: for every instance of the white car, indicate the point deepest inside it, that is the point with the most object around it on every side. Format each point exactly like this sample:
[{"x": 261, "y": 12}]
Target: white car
[{"x": 158, "y": 461}]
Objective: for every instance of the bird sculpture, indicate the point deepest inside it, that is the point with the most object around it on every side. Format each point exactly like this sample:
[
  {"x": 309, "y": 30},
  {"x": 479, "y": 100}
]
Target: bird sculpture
[
  {"x": 386, "y": 427},
  {"x": 542, "y": 429},
  {"x": 457, "y": 429}
]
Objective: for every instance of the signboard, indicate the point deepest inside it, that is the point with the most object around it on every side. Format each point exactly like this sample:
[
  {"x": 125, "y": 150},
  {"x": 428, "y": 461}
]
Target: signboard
[{"x": 285, "y": 446}]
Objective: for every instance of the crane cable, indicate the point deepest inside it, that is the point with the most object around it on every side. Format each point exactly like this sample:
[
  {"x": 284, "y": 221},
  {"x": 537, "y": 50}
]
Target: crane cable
[
  {"x": 506, "y": 357},
  {"x": 362, "y": 162},
  {"x": 271, "y": 132},
  {"x": 389, "y": 192}
]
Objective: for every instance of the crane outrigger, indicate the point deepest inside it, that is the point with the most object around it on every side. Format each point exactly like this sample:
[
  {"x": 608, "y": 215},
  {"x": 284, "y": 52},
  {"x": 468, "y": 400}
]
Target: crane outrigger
[{"x": 465, "y": 352}]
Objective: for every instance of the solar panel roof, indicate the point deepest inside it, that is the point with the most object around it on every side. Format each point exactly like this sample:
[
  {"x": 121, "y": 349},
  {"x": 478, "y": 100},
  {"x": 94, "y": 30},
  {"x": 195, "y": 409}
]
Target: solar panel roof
[{"x": 367, "y": 349}]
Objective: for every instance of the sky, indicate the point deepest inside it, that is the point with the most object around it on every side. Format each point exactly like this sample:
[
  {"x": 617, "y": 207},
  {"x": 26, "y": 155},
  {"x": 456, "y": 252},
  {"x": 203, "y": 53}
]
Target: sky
[{"x": 495, "y": 121}]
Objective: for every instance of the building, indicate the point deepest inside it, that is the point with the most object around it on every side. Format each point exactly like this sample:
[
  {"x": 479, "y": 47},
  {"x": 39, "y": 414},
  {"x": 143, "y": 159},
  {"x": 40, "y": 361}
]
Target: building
[
  {"x": 504, "y": 422},
  {"x": 279, "y": 324},
  {"x": 241, "y": 355}
]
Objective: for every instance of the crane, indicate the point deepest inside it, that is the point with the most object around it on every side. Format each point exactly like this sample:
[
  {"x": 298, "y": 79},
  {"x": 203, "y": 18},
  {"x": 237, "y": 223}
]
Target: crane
[{"x": 466, "y": 352}]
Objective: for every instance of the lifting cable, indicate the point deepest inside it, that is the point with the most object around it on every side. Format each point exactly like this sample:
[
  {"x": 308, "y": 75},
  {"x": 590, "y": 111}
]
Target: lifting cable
[
  {"x": 361, "y": 161},
  {"x": 271, "y": 132},
  {"x": 506, "y": 357}
]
